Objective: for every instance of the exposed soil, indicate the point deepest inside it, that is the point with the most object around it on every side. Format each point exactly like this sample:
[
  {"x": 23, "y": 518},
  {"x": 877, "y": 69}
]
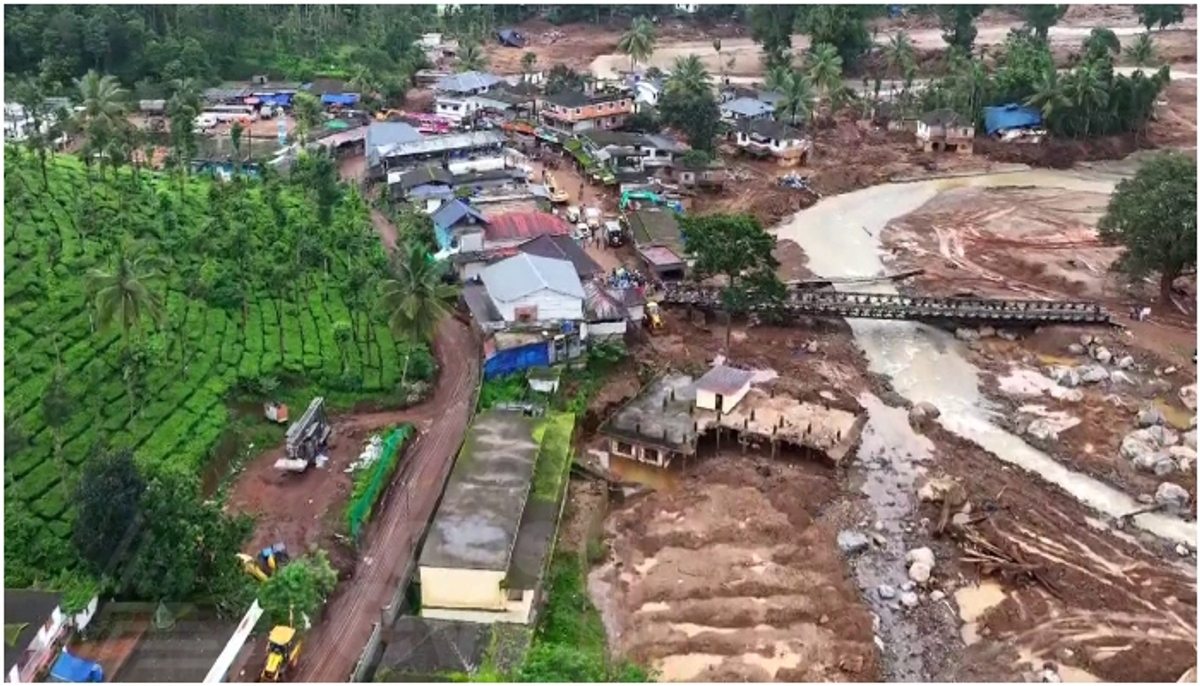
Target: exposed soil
[
  {"x": 1113, "y": 605},
  {"x": 112, "y": 641},
  {"x": 736, "y": 577}
]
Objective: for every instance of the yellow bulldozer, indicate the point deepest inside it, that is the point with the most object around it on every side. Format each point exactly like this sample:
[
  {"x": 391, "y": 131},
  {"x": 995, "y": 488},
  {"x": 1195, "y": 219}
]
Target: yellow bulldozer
[
  {"x": 283, "y": 652},
  {"x": 654, "y": 317}
]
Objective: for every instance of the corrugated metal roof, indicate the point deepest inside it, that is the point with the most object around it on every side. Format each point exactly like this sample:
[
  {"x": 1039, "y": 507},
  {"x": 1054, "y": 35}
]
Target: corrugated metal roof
[
  {"x": 660, "y": 256},
  {"x": 383, "y": 133},
  {"x": 748, "y": 107},
  {"x": 724, "y": 380},
  {"x": 523, "y": 275},
  {"x": 466, "y": 82},
  {"x": 445, "y": 143},
  {"x": 516, "y": 225},
  {"x": 563, "y": 248},
  {"x": 452, "y": 212}
]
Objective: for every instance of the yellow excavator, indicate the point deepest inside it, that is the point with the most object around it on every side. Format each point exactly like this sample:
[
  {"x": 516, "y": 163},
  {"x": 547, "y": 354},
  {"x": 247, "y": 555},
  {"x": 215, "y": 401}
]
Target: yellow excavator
[
  {"x": 283, "y": 652},
  {"x": 654, "y": 317}
]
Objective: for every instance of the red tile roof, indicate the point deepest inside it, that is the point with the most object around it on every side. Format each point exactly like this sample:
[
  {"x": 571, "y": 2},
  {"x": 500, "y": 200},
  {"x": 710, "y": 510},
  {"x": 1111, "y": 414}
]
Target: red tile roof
[{"x": 524, "y": 225}]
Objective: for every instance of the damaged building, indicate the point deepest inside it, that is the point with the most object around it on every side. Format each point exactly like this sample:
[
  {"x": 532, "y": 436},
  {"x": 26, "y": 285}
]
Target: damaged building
[{"x": 674, "y": 415}]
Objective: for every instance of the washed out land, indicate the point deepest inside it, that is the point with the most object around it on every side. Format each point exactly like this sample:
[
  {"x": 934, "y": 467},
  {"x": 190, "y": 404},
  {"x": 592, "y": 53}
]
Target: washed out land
[{"x": 889, "y": 494}]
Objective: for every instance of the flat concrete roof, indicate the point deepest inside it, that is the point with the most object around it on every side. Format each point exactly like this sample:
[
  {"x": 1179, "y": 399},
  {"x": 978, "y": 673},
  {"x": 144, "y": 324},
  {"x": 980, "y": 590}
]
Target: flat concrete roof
[
  {"x": 476, "y": 525},
  {"x": 660, "y": 415}
]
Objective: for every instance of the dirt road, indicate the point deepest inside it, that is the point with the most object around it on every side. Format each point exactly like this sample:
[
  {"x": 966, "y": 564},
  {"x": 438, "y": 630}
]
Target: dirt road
[{"x": 335, "y": 645}]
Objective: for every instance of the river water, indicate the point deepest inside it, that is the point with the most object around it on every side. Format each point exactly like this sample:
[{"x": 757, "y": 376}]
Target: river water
[{"x": 840, "y": 236}]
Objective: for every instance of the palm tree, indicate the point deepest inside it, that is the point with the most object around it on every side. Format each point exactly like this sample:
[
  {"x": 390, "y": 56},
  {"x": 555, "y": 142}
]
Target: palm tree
[
  {"x": 103, "y": 102},
  {"x": 797, "y": 97},
  {"x": 824, "y": 66},
  {"x": 123, "y": 294},
  {"x": 638, "y": 41},
  {"x": 899, "y": 52},
  {"x": 1049, "y": 97},
  {"x": 470, "y": 58},
  {"x": 688, "y": 77},
  {"x": 306, "y": 110},
  {"x": 187, "y": 90},
  {"x": 1086, "y": 90},
  {"x": 1141, "y": 52},
  {"x": 416, "y": 299}
]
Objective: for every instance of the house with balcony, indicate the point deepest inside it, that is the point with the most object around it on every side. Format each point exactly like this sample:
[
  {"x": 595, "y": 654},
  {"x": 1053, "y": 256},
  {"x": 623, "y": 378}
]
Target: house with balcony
[
  {"x": 946, "y": 131},
  {"x": 576, "y": 111},
  {"x": 772, "y": 139}
]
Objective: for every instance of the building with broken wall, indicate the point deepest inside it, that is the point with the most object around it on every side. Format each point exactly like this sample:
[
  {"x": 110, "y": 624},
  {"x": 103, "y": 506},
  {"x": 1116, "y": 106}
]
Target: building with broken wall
[{"x": 672, "y": 416}]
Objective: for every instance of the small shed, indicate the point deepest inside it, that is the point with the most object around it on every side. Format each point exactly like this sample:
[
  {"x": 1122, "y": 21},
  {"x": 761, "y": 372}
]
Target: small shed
[{"x": 510, "y": 38}]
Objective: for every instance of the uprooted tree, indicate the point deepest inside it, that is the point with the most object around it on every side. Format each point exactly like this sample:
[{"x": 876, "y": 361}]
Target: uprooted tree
[
  {"x": 300, "y": 587},
  {"x": 1153, "y": 216}
]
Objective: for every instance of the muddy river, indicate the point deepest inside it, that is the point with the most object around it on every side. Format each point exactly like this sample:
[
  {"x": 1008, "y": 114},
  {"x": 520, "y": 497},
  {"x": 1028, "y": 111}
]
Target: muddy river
[{"x": 840, "y": 235}]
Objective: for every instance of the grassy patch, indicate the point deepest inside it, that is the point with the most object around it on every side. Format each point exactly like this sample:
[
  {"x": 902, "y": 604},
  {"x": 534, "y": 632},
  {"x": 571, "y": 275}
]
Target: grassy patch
[
  {"x": 554, "y": 455},
  {"x": 504, "y": 389}
]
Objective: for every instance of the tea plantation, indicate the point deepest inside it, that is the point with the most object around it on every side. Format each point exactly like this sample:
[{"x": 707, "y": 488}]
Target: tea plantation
[{"x": 257, "y": 292}]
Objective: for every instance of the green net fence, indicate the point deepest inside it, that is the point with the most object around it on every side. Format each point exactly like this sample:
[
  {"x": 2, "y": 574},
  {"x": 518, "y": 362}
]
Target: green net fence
[{"x": 368, "y": 487}]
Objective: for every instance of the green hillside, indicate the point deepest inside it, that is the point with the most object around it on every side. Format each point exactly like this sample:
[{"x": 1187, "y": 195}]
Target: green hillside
[{"x": 258, "y": 293}]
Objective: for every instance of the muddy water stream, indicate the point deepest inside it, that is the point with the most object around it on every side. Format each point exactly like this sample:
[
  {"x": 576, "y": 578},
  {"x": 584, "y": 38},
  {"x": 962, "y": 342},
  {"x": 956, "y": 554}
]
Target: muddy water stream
[{"x": 840, "y": 236}]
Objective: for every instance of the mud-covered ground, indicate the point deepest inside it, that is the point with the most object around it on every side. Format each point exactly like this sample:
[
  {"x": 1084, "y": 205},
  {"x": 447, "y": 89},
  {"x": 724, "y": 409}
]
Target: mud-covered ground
[{"x": 736, "y": 576}]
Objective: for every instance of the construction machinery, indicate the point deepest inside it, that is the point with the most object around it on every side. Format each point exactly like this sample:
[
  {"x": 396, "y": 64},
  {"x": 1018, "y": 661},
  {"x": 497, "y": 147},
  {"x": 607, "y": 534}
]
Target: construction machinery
[
  {"x": 283, "y": 652},
  {"x": 614, "y": 234},
  {"x": 636, "y": 196},
  {"x": 269, "y": 561},
  {"x": 307, "y": 439},
  {"x": 389, "y": 115},
  {"x": 654, "y": 317}
]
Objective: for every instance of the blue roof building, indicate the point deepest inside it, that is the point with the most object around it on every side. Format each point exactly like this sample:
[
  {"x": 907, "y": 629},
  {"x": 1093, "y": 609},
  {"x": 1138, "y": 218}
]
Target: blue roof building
[
  {"x": 1009, "y": 117},
  {"x": 380, "y": 134},
  {"x": 451, "y": 214}
]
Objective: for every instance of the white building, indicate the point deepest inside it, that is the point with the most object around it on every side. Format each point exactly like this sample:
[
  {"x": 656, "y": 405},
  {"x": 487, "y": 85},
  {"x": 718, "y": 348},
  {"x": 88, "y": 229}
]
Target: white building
[
  {"x": 765, "y": 138},
  {"x": 531, "y": 288},
  {"x": 722, "y": 388}
]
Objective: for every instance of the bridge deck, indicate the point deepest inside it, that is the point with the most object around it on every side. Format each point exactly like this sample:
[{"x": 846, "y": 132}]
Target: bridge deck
[{"x": 916, "y": 308}]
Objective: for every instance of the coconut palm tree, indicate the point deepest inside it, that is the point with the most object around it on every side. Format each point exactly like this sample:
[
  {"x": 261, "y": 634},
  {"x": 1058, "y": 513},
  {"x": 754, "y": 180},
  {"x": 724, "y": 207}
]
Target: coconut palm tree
[
  {"x": 1086, "y": 89},
  {"x": 899, "y": 52},
  {"x": 824, "y": 66},
  {"x": 123, "y": 292},
  {"x": 187, "y": 91},
  {"x": 797, "y": 97},
  {"x": 1049, "y": 97},
  {"x": 688, "y": 77},
  {"x": 1141, "y": 52},
  {"x": 470, "y": 58},
  {"x": 638, "y": 41},
  {"x": 103, "y": 102},
  {"x": 416, "y": 298}
]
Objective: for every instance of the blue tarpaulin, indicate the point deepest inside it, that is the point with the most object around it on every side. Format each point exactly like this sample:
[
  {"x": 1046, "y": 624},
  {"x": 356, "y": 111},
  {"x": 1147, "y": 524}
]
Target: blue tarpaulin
[
  {"x": 69, "y": 669},
  {"x": 513, "y": 360},
  {"x": 343, "y": 99},
  {"x": 275, "y": 99},
  {"x": 1011, "y": 116}
]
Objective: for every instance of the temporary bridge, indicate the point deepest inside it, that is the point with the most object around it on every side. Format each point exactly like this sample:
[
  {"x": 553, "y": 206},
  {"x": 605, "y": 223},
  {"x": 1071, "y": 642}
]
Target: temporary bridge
[{"x": 808, "y": 303}]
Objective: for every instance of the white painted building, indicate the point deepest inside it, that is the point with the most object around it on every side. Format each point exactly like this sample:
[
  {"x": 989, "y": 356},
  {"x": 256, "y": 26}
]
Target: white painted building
[
  {"x": 531, "y": 288},
  {"x": 722, "y": 388}
]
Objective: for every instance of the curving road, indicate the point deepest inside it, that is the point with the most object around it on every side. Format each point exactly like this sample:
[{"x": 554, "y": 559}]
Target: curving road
[{"x": 333, "y": 647}]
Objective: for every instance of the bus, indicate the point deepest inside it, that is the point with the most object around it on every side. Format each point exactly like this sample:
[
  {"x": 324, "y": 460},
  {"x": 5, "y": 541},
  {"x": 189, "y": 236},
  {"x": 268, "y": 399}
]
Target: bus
[
  {"x": 224, "y": 113},
  {"x": 430, "y": 123}
]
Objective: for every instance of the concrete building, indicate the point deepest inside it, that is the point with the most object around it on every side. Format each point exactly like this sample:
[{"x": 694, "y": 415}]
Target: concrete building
[
  {"x": 530, "y": 288},
  {"x": 666, "y": 420},
  {"x": 763, "y": 138},
  {"x": 466, "y": 565},
  {"x": 575, "y": 111},
  {"x": 458, "y": 147},
  {"x": 945, "y": 131},
  {"x": 34, "y": 628},
  {"x": 746, "y": 109},
  {"x": 659, "y": 242}
]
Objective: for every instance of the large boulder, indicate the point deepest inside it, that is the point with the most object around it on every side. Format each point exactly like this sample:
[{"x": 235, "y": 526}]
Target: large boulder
[
  {"x": 1149, "y": 416},
  {"x": 1187, "y": 395},
  {"x": 1162, "y": 435},
  {"x": 852, "y": 542},
  {"x": 1172, "y": 497},
  {"x": 1093, "y": 374},
  {"x": 1064, "y": 376},
  {"x": 1189, "y": 439}
]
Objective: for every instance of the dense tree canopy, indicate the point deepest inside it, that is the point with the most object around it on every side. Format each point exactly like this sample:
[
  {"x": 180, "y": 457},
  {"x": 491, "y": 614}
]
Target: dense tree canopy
[
  {"x": 738, "y": 248},
  {"x": 1153, "y": 216},
  {"x": 1161, "y": 16}
]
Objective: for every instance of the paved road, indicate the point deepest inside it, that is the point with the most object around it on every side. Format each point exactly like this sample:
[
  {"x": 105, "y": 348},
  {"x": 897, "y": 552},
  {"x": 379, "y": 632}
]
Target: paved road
[{"x": 334, "y": 646}]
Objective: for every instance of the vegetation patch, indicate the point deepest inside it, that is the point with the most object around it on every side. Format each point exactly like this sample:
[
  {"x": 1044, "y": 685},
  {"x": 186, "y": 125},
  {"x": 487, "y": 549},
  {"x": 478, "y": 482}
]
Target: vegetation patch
[
  {"x": 137, "y": 305},
  {"x": 554, "y": 456}
]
